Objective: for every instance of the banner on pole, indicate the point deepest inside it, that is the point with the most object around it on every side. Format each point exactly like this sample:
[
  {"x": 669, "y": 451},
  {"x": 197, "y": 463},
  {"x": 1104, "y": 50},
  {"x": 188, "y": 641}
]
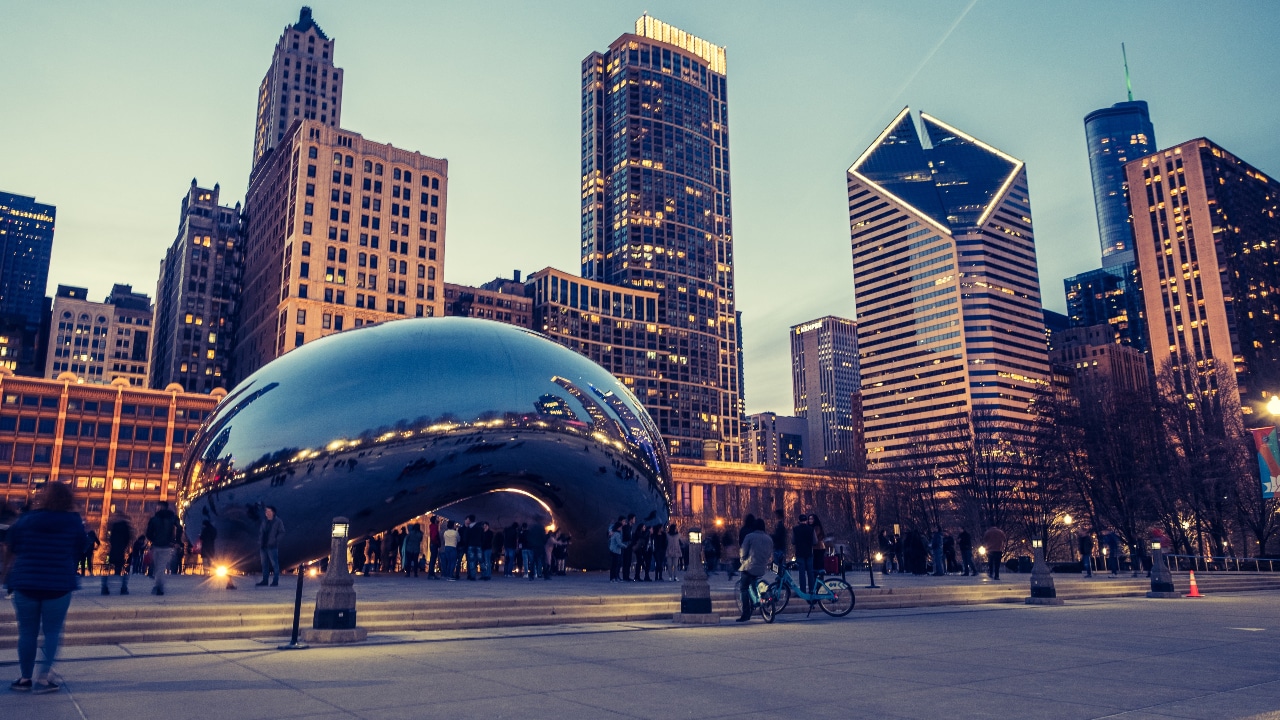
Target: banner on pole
[{"x": 1264, "y": 439}]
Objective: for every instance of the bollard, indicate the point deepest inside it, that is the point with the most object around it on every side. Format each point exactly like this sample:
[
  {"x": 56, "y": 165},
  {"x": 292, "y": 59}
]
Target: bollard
[
  {"x": 1042, "y": 589},
  {"x": 695, "y": 592},
  {"x": 1161, "y": 578},
  {"x": 335, "y": 616},
  {"x": 297, "y": 616}
]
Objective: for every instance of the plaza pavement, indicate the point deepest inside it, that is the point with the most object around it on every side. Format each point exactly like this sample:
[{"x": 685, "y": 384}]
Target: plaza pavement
[{"x": 1135, "y": 659}]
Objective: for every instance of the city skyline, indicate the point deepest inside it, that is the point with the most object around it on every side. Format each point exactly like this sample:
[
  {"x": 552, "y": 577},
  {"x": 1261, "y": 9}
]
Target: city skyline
[{"x": 792, "y": 143}]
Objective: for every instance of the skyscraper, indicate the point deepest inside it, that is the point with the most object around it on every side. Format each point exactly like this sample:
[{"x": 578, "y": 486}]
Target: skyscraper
[
  {"x": 196, "y": 296},
  {"x": 656, "y": 217},
  {"x": 950, "y": 327},
  {"x": 1109, "y": 296},
  {"x": 1208, "y": 242},
  {"x": 26, "y": 240},
  {"x": 301, "y": 84},
  {"x": 1116, "y": 135},
  {"x": 824, "y": 380},
  {"x": 341, "y": 232}
]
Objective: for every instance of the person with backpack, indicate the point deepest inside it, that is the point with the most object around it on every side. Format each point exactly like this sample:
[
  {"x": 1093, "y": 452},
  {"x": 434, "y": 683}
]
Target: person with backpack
[
  {"x": 162, "y": 533},
  {"x": 119, "y": 535}
]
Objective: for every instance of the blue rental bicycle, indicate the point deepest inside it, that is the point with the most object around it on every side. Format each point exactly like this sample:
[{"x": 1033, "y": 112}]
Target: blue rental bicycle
[{"x": 833, "y": 595}]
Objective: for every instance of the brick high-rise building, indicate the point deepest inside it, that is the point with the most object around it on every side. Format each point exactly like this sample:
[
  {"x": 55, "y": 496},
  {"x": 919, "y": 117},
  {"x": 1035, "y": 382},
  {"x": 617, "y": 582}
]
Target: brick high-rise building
[
  {"x": 951, "y": 333},
  {"x": 656, "y": 218},
  {"x": 101, "y": 342},
  {"x": 301, "y": 84},
  {"x": 196, "y": 296},
  {"x": 1208, "y": 239},
  {"x": 340, "y": 232}
]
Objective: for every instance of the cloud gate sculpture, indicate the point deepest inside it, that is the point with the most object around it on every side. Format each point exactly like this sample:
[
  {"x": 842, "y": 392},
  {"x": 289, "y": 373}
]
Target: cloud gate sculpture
[{"x": 384, "y": 423}]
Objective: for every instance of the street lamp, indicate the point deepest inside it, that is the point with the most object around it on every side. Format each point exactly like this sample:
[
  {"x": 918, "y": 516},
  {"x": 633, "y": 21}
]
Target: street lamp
[
  {"x": 1273, "y": 405},
  {"x": 1042, "y": 589},
  {"x": 334, "y": 620},
  {"x": 1067, "y": 519},
  {"x": 695, "y": 592}
]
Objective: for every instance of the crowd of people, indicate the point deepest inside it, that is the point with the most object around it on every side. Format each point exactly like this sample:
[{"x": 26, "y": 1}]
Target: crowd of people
[{"x": 473, "y": 549}]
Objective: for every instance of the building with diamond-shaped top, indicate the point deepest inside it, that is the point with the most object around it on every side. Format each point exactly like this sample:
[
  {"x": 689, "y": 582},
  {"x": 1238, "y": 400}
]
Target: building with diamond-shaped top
[{"x": 951, "y": 340}]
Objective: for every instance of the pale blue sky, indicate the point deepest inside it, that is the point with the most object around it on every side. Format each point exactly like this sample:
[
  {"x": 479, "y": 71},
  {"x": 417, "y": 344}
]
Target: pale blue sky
[{"x": 110, "y": 108}]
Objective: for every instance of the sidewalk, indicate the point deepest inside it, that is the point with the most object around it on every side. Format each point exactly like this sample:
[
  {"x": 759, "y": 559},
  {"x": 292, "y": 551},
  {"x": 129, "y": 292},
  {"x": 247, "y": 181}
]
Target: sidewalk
[{"x": 1128, "y": 659}]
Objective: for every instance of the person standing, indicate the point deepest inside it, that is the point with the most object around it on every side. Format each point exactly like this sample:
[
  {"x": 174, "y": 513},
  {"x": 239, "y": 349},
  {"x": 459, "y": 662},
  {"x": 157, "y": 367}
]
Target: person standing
[
  {"x": 510, "y": 548},
  {"x": 45, "y": 546},
  {"x": 1086, "y": 553},
  {"x": 615, "y": 553},
  {"x": 119, "y": 535},
  {"x": 486, "y": 550},
  {"x": 91, "y": 548},
  {"x": 802, "y": 543},
  {"x": 628, "y": 529},
  {"x": 966, "y": 553},
  {"x": 269, "y": 535},
  {"x": 674, "y": 553},
  {"x": 412, "y": 549},
  {"x": 755, "y": 553},
  {"x": 372, "y": 555},
  {"x": 640, "y": 551},
  {"x": 935, "y": 552},
  {"x": 449, "y": 542},
  {"x": 433, "y": 546},
  {"x": 994, "y": 539},
  {"x": 949, "y": 552},
  {"x": 208, "y": 545},
  {"x": 535, "y": 539},
  {"x": 659, "y": 539},
  {"x": 1112, "y": 541},
  {"x": 162, "y": 533}
]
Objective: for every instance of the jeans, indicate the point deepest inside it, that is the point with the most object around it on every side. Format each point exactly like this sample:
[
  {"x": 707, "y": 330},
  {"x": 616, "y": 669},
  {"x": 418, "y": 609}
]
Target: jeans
[
  {"x": 626, "y": 564},
  {"x": 31, "y": 614},
  {"x": 411, "y": 563},
  {"x": 804, "y": 569},
  {"x": 1086, "y": 563},
  {"x": 433, "y": 561},
  {"x": 473, "y": 562},
  {"x": 748, "y": 582},
  {"x": 533, "y": 563},
  {"x": 270, "y": 563},
  {"x": 161, "y": 558},
  {"x": 615, "y": 566},
  {"x": 487, "y": 568},
  {"x": 450, "y": 562},
  {"x": 993, "y": 564},
  {"x": 509, "y": 555},
  {"x": 966, "y": 559},
  {"x": 117, "y": 569}
]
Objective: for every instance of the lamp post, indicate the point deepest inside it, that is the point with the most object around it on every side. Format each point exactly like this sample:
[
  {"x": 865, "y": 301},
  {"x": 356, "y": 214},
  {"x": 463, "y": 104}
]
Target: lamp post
[
  {"x": 695, "y": 592},
  {"x": 1042, "y": 590},
  {"x": 335, "y": 615},
  {"x": 1067, "y": 520},
  {"x": 1161, "y": 578},
  {"x": 871, "y": 560}
]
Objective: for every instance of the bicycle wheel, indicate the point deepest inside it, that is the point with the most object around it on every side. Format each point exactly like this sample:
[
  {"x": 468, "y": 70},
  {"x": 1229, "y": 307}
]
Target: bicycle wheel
[
  {"x": 768, "y": 610},
  {"x": 840, "y": 600},
  {"x": 781, "y": 595}
]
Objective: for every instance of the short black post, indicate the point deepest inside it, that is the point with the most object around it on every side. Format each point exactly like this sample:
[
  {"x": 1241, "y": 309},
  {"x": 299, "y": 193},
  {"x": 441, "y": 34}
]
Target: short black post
[
  {"x": 871, "y": 570},
  {"x": 297, "y": 615}
]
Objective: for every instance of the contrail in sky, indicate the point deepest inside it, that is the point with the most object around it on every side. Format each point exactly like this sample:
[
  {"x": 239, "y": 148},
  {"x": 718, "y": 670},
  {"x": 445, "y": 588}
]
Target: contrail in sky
[{"x": 892, "y": 104}]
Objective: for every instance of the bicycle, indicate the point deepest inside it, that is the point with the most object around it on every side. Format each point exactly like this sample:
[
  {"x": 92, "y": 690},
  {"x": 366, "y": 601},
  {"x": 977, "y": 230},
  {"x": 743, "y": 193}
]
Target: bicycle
[
  {"x": 758, "y": 593},
  {"x": 833, "y": 595}
]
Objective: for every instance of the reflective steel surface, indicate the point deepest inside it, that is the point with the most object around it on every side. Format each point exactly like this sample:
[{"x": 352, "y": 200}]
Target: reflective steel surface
[{"x": 384, "y": 423}]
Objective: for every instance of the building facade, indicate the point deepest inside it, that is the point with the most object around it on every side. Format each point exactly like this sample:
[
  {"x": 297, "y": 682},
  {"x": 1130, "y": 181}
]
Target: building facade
[
  {"x": 824, "y": 381},
  {"x": 101, "y": 342},
  {"x": 1208, "y": 240},
  {"x": 501, "y": 300},
  {"x": 1109, "y": 296},
  {"x": 26, "y": 241},
  {"x": 341, "y": 232},
  {"x": 776, "y": 440},
  {"x": 119, "y": 447},
  {"x": 302, "y": 83},
  {"x": 1095, "y": 361},
  {"x": 656, "y": 218},
  {"x": 197, "y": 296},
  {"x": 950, "y": 329},
  {"x": 1114, "y": 136}
]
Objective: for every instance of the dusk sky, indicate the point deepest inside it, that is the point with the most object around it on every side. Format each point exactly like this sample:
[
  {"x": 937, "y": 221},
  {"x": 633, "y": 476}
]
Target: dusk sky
[{"x": 111, "y": 108}]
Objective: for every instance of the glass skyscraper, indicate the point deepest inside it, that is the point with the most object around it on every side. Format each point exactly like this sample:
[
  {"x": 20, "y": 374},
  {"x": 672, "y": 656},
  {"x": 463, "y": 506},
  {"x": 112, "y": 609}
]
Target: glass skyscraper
[
  {"x": 824, "y": 381},
  {"x": 950, "y": 329},
  {"x": 26, "y": 240},
  {"x": 1109, "y": 296},
  {"x": 656, "y": 217},
  {"x": 1116, "y": 135}
]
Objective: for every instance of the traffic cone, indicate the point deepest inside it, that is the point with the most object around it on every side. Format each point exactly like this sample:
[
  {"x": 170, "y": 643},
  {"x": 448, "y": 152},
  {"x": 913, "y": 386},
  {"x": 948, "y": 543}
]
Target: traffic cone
[{"x": 1195, "y": 591}]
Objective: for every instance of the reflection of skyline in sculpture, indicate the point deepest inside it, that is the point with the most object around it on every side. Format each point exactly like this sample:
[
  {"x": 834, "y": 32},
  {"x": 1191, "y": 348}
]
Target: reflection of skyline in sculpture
[{"x": 452, "y": 408}]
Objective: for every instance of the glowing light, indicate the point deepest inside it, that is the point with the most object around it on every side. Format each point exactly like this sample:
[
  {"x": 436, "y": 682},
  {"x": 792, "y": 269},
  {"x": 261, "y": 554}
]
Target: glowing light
[
  {"x": 313, "y": 572},
  {"x": 1067, "y": 519},
  {"x": 982, "y": 550},
  {"x": 220, "y": 571},
  {"x": 1273, "y": 405}
]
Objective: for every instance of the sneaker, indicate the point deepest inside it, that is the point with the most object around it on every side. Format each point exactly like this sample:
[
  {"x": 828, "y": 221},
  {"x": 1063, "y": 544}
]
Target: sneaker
[
  {"x": 45, "y": 688},
  {"x": 124, "y": 591},
  {"x": 21, "y": 685},
  {"x": 275, "y": 583},
  {"x": 261, "y": 584}
]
